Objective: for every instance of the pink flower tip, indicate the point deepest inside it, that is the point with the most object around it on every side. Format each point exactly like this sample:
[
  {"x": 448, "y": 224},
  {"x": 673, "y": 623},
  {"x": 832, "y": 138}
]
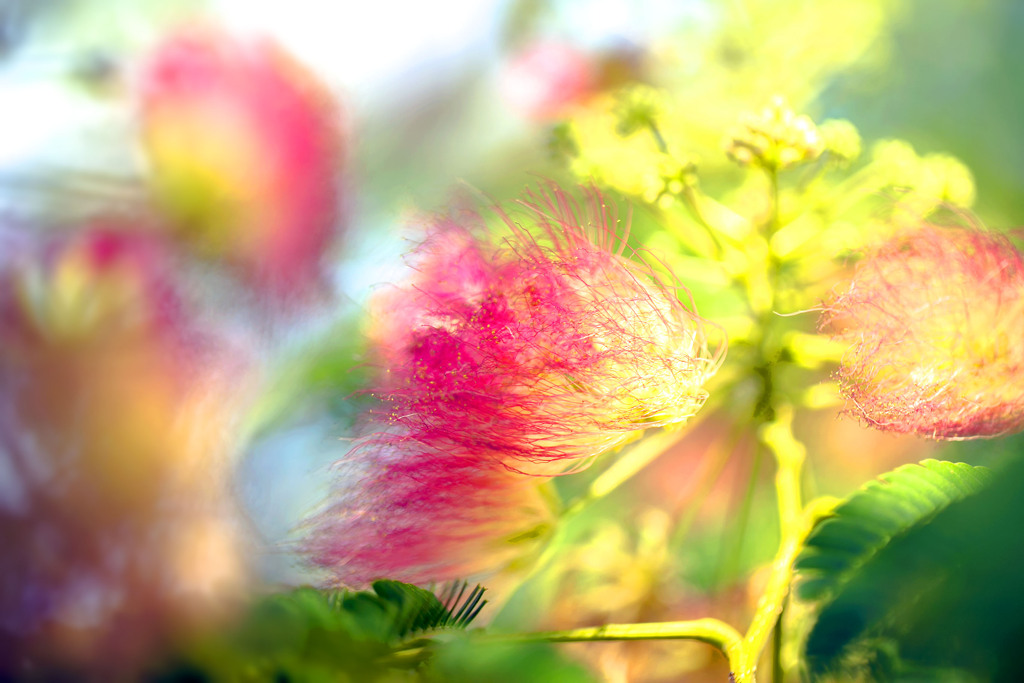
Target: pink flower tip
[
  {"x": 508, "y": 357},
  {"x": 407, "y": 511}
]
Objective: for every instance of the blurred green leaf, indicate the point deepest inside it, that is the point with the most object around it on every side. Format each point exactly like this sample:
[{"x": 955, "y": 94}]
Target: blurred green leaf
[
  {"x": 325, "y": 374},
  {"x": 313, "y": 635},
  {"x": 943, "y": 597},
  {"x": 465, "y": 660}
]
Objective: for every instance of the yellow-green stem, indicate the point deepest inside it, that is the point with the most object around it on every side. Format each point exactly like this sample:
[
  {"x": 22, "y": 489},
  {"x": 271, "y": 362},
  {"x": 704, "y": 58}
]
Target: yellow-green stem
[
  {"x": 632, "y": 462},
  {"x": 777, "y": 435},
  {"x": 789, "y": 458},
  {"x": 692, "y": 202},
  {"x": 711, "y": 631},
  {"x": 769, "y": 607}
]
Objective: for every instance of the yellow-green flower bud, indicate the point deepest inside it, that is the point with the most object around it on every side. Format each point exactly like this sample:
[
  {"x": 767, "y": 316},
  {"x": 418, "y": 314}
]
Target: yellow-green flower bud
[{"x": 776, "y": 138}]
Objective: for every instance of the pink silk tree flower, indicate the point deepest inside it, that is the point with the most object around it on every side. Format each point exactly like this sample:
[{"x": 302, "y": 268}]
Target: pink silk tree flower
[
  {"x": 245, "y": 149},
  {"x": 934, "y": 318},
  {"x": 506, "y": 359},
  {"x": 543, "y": 346},
  {"x": 407, "y": 511}
]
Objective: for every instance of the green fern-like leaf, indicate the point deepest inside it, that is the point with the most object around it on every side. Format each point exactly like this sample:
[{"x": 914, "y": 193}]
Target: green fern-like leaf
[
  {"x": 940, "y": 602},
  {"x": 860, "y": 527},
  {"x": 337, "y": 635}
]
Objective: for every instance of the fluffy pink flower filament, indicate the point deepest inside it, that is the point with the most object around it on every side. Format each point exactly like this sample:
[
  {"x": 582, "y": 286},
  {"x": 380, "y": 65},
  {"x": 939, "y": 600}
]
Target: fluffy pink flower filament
[
  {"x": 547, "y": 346},
  {"x": 412, "y": 512},
  {"x": 504, "y": 359},
  {"x": 934, "y": 318}
]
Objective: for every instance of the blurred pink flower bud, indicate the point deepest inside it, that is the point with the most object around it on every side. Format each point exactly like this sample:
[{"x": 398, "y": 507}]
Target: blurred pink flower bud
[
  {"x": 546, "y": 79},
  {"x": 114, "y": 440},
  {"x": 407, "y": 511},
  {"x": 543, "y": 346},
  {"x": 934, "y": 319},
  {"x": 103, "y": 285},
  {"x": 245, "y": 149}
]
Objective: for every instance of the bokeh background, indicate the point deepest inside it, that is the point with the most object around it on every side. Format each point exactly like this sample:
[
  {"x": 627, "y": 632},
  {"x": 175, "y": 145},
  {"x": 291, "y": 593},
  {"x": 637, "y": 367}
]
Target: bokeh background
[{"x": 435, "y": 107}]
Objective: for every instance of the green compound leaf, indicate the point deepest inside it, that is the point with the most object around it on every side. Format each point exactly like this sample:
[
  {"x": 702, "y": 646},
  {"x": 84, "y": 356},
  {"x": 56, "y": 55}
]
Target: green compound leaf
[
  {"x": 393, "y": 611},
  {"x": 881, "y": 510},
  {"x": 915, "y": 578},
  {"x": 337, "y": 635}
]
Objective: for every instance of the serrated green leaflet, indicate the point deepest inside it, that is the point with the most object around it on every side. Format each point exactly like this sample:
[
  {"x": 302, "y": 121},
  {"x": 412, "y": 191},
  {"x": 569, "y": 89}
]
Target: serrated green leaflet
[
  {"x": 939, "y": 601},
  {"x": 900, "y": 500}
]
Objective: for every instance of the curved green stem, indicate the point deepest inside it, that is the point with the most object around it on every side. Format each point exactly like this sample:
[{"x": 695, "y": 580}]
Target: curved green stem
[
  {"x": 707, "y": 630},
  {"x": 622, "y": 470},
  {"x": 711, "y": 631},
  {"x": 743, "y": 652},
  {"x": 692, "y": 203}
]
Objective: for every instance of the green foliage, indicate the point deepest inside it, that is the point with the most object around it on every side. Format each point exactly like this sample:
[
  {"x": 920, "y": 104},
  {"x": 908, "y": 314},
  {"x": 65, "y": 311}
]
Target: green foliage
[
  {"x": 464, "y": 661},
  {"x": 870, "y": 518},
  {"x": 394, "y": 633},
  {"x": 313, "y": 635},
  {"x": 934, "y": 598}
]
